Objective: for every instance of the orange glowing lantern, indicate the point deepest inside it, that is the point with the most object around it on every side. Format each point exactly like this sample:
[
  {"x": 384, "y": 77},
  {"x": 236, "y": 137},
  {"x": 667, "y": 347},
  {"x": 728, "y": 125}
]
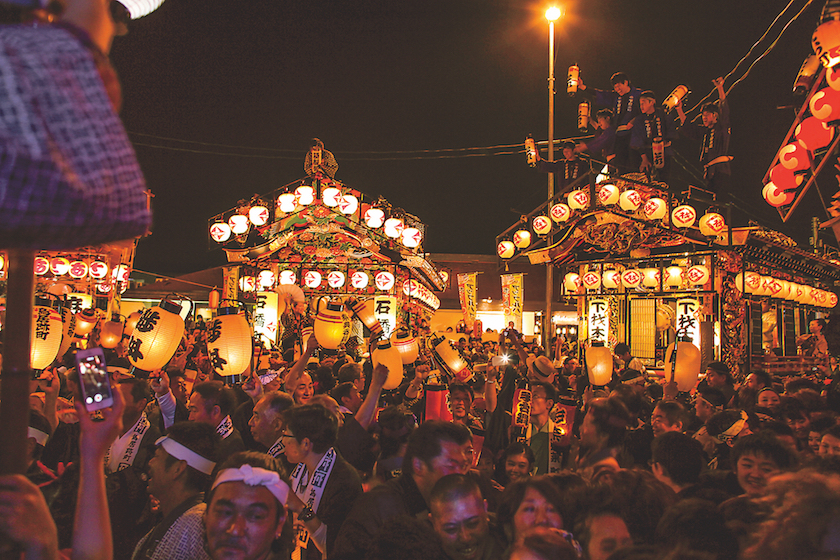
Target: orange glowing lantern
[
  {"x": 86, "y": 319},
  {"x": 795, "y": 156},
  {"x": 111, "y": 332},
  {"x": 683, "y": 216},
  {"x": 449, "y": 355},
  {"x": 131, "y": 321},
  {"x": 212, "y": 300},
  {"x": 697, "y": 275},
  {"x": 650, "y": 278},
  {"x": 407, "y": 345},
  {"x": 389, "y": 356},
  {"x": 332, "y": 326},
  {"x": 230, "y": 342},
  {"x": 673, "y": 276},
  {"x": 578, "y": 200},
  {"x": 655, "y": 209},
  {"x": 47, "y": 331},
  {"x": 611, "y": 279},
  {"x": 825, "y": 104},
  {"x": 775, "y": 196},
  {"x": 364, "y": 310},
  {"x": 630, "y": 200},
  {"x": 599, "y": 364},
  {"x": 685, "y": 369},
  {"x": 631, "y": 278},
  {"x": 608, "y": 195},
  {"x": 506, "y": 249},
  {"x": 712, "y": 223},
  {"x": 560, "y": 212},
  {"x": 826, "y": 43},
  {"x": 572, "y": 282},
  {"x": 522, "y": 238},
  {"x": 591, "y": 280},
  {"x": 42, "y": 266},
  {"x": 541, "y": 225},
  {"x": 156, "y": 336}
]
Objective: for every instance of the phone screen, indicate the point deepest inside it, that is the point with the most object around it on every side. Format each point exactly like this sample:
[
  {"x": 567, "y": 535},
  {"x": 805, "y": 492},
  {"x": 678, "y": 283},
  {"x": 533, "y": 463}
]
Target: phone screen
[{"x": 93, "y": 374}]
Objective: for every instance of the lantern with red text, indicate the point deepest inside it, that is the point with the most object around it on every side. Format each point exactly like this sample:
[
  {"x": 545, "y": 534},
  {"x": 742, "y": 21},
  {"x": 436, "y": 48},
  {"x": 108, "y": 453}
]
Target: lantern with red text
[
  {"x": 86, "y": 319},
  {"x": 826, "y": 43},
  {"x": 611, "y": 279},
  {"x": 630, "y": 200},
  {"x": 450, "y": 356},
  {"x": 506, "y": 249},
  {"x": 655, "y": 209},
  {"x": 230, "y": 342},
  {"x": 407, "y": 345},
  {"x": 712, "y": 223},
  {"x": 591, "y": 280},
  {"x": 697, "y": 275},
  {"x": 795, "y": 156},
  {"x": 578, "y": 200},
  {"x": 560, "y": 212},
  {"x": 571, "y": 282},
  {"x": 46, "y": 334},
  {"x": 156, "y": 336},
  {"x": 683, "y": 216},
  {"x": 825, "y": 105},
  {"x": 389, "y": 356},
  {"x": 608, "y": 194},
  {"x": 631, "y": 278},
  {"x": 813, "y": 134},
  {"x": 541, "y": 225}
]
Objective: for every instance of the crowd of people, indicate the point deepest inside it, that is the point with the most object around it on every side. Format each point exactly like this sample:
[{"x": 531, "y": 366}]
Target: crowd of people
[{"x": 312, "y": 458}]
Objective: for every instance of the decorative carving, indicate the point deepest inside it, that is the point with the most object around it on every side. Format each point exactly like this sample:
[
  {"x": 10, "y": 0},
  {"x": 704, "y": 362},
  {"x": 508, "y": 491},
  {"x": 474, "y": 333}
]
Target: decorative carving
[{"x": 733, "y": 341}]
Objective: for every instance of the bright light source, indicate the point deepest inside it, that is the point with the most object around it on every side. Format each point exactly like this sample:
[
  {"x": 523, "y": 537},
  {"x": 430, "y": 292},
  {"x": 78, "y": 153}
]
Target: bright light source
[{"x": 553, "y": 13}]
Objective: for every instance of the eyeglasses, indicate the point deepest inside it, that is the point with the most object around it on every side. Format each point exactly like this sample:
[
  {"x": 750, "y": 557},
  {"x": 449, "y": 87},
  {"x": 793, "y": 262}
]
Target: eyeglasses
[{"x": 285, "y": 435}]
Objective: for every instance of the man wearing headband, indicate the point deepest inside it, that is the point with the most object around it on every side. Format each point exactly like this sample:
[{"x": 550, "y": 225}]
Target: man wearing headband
[
  {"x": 179, "y": 472},
  {"x": 246, "y": 508}
]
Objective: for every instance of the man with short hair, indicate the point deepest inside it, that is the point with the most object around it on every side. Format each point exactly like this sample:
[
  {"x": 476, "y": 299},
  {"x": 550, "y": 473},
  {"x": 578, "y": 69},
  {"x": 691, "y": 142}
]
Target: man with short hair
[
  {"x": 566, "y": 170},
  {"x": 347, "y": 396},
  {"x": 830, "y": 442},
  {"x": 622, "y": 350},
  {"x": 678, "y": 461},
  {"x": 211, "y": 403},
  {"x": 458, "y": 513},
  {"x": 668, "y": 416},
  {"x": 266, "y": 423},
  {"x": 540, "y": 432},
  {"x": 651, "y": 128},
  {"x": 461, "y": 398}
]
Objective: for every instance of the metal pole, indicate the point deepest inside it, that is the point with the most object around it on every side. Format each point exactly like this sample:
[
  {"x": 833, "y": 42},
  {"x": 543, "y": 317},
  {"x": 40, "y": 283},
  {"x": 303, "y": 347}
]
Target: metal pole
[{"x": 549, "y": 268}]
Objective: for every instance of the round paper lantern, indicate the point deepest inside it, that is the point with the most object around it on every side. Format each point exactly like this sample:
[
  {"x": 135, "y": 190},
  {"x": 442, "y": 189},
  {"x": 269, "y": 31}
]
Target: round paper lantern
[
  {"x": 348, "y": 204},
  {"x": 673, "y": 276},
  {"x": 384, "y": 280},
  {"x": 86, "y": 319},
  {"x": 541, "y": 225},
  {"x": 826, "y": 42},
  {"x": 599, "y": 365},
  {"x": 365, "y": 312},
  {"x": 795, "y": 156},
  {"x": 831, "y": 300},
  {"x": 388, "y": 355},
  {"x": 335, "y": 279},
  {"x": 407, "y": 345},
  {"x": 111, "y": 332},
  {"x": 156, "y": 336},
  {"x": 712, "y": 223},
  {"x": 772, "y": 287},
  {"x": 630, "y": 200},
  {"x": 776, "y": 197},
  {"x": 821, "y": 298},
  {"x": 98, "y": 270},
  {"x": 78, "y": 269},
  {"x": 560, "y": 212},
  {"x": 286, "y": 202},
  {"x": 611, "y": 279},
  {"x": 522, "y": 238},
  {"x": 697, "y": 275},
  {"x": 305, "y": 195},
  {"x": 59, "y": 266},
  {"x": 825, "y": 105},
  {"x": 571, "y": 282},
  {"x": 631, "y": 278},
  {"x": 266, "y": 279},
  {"x": 578, "y": 200},
  {"x": 655, "y": 209},
  {"x": 47, "y": 331},
  {"x": 608, "y": 194},
  {"x": 42, "y": 266},
  {"x": 447, "y": 354},
  {"x": 374, "y": 217},
  {"x": 131, "y": 321},
  {"x": 287, "y": 277},
  {"x": 258, "y": 215},
  {"x": 650, "y": 278},
  {"x": 785, "y": 291},
  {"x": 331, "y": 196},
  {"x": 683, "y": 216},
  {"x": 797, "y": 291},
  {"x": 230, "y": 342},
  {"x": 359, "y": 280},
  {"x": 761, "y": 290},
  {"x": 591, "y": 280},
  {"x": 411, "y": 237},
  {"x": 394, "y": 227},
  {"x": 790, "y": 295},
  {"x": 813, "y": 296},
  {"x": 220, "y": 232},
  {"x": 239, "y": 224},
  {"x": 248, "y": 284},
  {"x": 120, "y": 273},
  {"x": 687, "y": 367},
  {"x": 812, "y": 134},
  {"x": 332, "y": 326},
  {"x": 312, "y": 279},
  {"x": 506, "y": 249},
  {"x": 784, "y": 178}
]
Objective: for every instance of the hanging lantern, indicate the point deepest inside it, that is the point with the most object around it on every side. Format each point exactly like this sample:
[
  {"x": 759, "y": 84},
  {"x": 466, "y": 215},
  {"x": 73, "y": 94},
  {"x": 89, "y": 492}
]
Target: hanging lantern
[
  {"x": 411, "y": 237},
  {"x": 683, "y": 216},
  {"x": 578, "y": 200},
  {"x": 784, "y": 178},
  {"x": 394, "y": 227},
  {"x": 156, "y": 336},
  {"x": 312, "y": 279},
  {"x": 630, "y": 200},
  {"x": 506, "y": 249},
  {"x": 286, "y": 202},
  {"x": 686, "y": 369},
  {"x": 212, "y": 302},
  {"x": 790, "y": 295},
  {"x": 364, "y": 310},
  {"x": 831, "y": 300},
  {"x": 560, "y": 212},
  {"x": 331, "y": 196},
  {"x": 631, "y": 278},
  {"x": 650, "y": 278},
  {"x": 673, "y": 276},
  {"x": 747, "y": 282},
  {"x": 111, "y": 332},
  {"x": 220, "y": 232},
  {"x": 239, "y": 224},
  {"x": 335, "y": 279},
  {"x": 773, "y": 287},
  {"x": 258, "y": 215},
  {"x": 305, "y": 195},
  {"x": 825, "y": 105},
  {"x": 813, "y": 134},
  {"x": 359, "y": 280},
  {"x": 571, "y": 282},
  {"x": 675, "y": 98},
  {"x": 407, "y": 345},
  {"x": 332, "y": 326},
  {"x": 59, "y": 266},
  {"x": 230, "y": 342},
  {"x": 826, "y": 43},
  {"x": 131, "y": 321},
  {"x": 248, "y": 284},
  {"x": 384, "y": 280},
  {"x": 388, "y": 355},
  {"x": 611, "y": 279},
  {"x": 812, "y": 296},
  {"x": 795, "y": 156},
  {"x": 86, "y": 319},
  {"x": 42, "y": 266},
  {"x": 348, "y": 204},
  {"x": 608, "y": 194},
  {"x": 761, "y": 290},
  {"x": 287, "y": 277},
  {"x": 655, "y": 209},
  {"x": 448, "y": 355},
  {"x": 591, "y": 280},
  {"x": 522, "y": 238},
  {"x": 573, "y": 80},
  {"x": 697, "y": 275},
  {"x": 68, "y": 330},
  {"x": 374, "y": 217},
  {"x": 599, "y": 364},
  {"x": 776, "y": 197},
  {"x": 541, "y": 225},
  {"x": 98, "y": 270},
  {"x": 821, "y": 298},
  {"x": 785, "y": 291},
  {"x": 797, "y": 291},
  {"x": 47, "y": 331},
  {"x": 266, "y": 279},
  {"x": 712, "y": 223},
  {"x": 78, "y": 269}
]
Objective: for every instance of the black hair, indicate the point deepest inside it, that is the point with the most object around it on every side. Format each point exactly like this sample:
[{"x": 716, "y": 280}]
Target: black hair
[
  {"x": 453, "y": 487},
  {"x": 619, "y": 78},
  {"x": 215, "y": 393},
  {"x": 674, "y": 412},
  {"x": 761, "y": 444},
  {"x": 648, "y": 94},
  {"x": 611, "y": 417},
  {"x": 512, "y": 497},
  {"x": 604, "y": 113},
  {"x": 314, "y": 422},
  {"x": 461, "y": 387},
  {"x": 278, "y": 401},
  {"x": 199, "y": 438},
  {"x": 341, "y": 391},
  {"x": 710, "y": 108},
  {"x": 680, "y": 456},
  {"x": 323, "y": 375},
  {"x": 550, "y": 391},
  {"x": 621, "y": 348},
  {"x": 140, "y": 390},
  {"x": 424, "y": 443}
]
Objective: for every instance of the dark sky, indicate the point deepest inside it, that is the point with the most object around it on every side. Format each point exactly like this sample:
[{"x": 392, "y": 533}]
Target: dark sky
[{"x": 227, "y": 80}]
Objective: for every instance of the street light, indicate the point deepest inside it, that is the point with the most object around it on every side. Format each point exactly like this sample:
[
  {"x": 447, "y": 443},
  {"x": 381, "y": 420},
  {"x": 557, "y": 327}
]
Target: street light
[{"x": 552, "y": 14}]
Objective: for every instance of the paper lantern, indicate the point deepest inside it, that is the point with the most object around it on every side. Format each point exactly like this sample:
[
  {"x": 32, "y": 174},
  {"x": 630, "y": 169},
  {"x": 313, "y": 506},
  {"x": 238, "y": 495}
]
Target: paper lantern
[
  {"x": 608, "y": 194},
  {"x": 522, "y": 238},
  {"x": 239, "y": 224},
  {"x": 388, "y": 355},
  {"x": 312, "y": 279},
  {"x": 220, "y": 232},
  {"x": 212, "y": 301},
  {"x": 156, "y": 336},
  {"x": 331, "y": 196},
  {"x": 631, "y": 278},
  {"x": 797, "y": 291},
  {"x": 683, "y": 216},
  {"x": 411, "y": 237},
  {"x": 258, "y": 215},
  {"x": 655, "y": 209},
  {"x": 384, "y": 280},
  {"x": 673, "y": 276},
  {"x": 364, "y": 310},
  {"x": 394, "y": 227},
  {"x": 832, "y": 76},
  {"x": 374, "y": 217},
  {"x": 332, "y": 326},
  {"x": 776, "y": 197},
  {"x": 820, "y": 298},
  {"x": 697, "y": 275},
  {"x": 407, "y": 345},
  {"x": 248, "y": 284},
  {"x": 686, "y": 367},
  {"x": 761, "y": 290},
  {"x": 650, "y": 278},
  {"x": 359, "y": 280},
  {"x": 825, "y": 105},
  {"x": 773, "y": 287},
  {"x": 578, "y": 200},
  {"x": 42, "y": 266},
  {"x": 450, "y": 356},
  {"x": 813, "y": 294},
  {"x": 630, "y": 200},
  {"x": 591, "y": 280},
  {"x": 831, "y": 300},
  {"x": 826, "y": 42},
  {"x": 98, "y": 270},
  {"x": 305, "y": 195},
  {"x": 111, "y": 332},
  {"x": 506, "y": 249},
  {"x": 812, "y": 134},
  {"x": 348, "y": 204},
  {"x": 287, "y": 277},
  {"x": 335, "y": 279},
  {"x": 784, "y": 178},
  {"x": 86, "y": 319},
  {"x": 230, "y": 342},
  {"x": 794, "y": 156},
  {"x": 266, "y": 279},
  {"x": 59, "y": 266},
  {"x": 599, "y": 365},
  {"x": 785, "y": 291},
  {"x": 68, "y": 330},
  {"x": 560, "y": 212},
  {"x": 131, "y": 321},
  {"x": 571, "y": 282},
  {"x": 286, "y": 203},
  {"x": 78, "y": 269},
  {"x": 712, "y": 223},
  {"x": 611, "y": 279},
  {"x": 541, "y": 225},
  {"x": 47, "y": 330}
]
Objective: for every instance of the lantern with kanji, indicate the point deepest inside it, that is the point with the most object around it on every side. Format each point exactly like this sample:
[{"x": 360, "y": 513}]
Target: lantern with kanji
[
  {"x": 86, "y": 319},
  {"x": 230, "y": 341},
  {"x": 631, "y": 278},
  {"x": 685, "y": 369},
  {"x": 364, "y": 310},
  {"x": 578, "y": 200},
  {"x": 560, "y": 212},
  {"x": 571, "y": 282},
  {"x": 826, "y": 42},
  {"x": 389, "y": 356},
  {"x": 825, "y": 105},
  {"x": 630, "y": 200},
  {"x": 683, "y": 216},
  {"x": 332, "y": 326},
  {"x": 655, "y": 209},
  {"x": 541, "y": 225},
  {"x": 608, "y": 194},
  {"x": 450, "y": 356},
  {"x": 522, "y": 238},
  {"x": 611, "y": 279},
  {"x": 697, "y": 275},
  {"x": 591, "y": 280},
  {"x": 156, "y": 336},
  {"x": 712, "y": 223},
  {"x": 506, "y": 249},
  {"x": 47, "y": 331}
]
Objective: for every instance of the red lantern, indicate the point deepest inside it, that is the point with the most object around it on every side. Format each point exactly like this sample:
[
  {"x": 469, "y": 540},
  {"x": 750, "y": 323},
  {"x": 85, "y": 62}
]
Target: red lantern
[
  {"x": 795, "y": 156},
  {"x": 812, "y": 134},
  {"x": 826, "y": 43},
  {"x": 42, "y": 266},
  {"x": 825, "y": 104},
  {"x": 775, "y": 196}
]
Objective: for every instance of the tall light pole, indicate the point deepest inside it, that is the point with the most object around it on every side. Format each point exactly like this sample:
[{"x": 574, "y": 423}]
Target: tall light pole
[{"x": 552, "y": 14}]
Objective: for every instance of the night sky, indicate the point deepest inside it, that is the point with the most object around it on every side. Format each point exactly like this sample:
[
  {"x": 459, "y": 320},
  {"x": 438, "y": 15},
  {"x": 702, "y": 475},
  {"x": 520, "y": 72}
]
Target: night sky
[{"x": 222, "y": 97}]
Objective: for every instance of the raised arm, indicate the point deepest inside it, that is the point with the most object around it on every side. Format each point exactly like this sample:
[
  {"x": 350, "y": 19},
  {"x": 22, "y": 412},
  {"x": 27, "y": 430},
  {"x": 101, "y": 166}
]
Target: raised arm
[
  {"x": 366, "y": 411},
  {"x": 297, "y": 370}
]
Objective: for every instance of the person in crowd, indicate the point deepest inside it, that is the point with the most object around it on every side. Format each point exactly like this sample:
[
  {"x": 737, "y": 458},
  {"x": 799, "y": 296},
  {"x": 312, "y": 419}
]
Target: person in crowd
[
  {"x": 458, "y": 513},
  {"x": 767, "y": 398},
  {"x": 541, "y": 436},
  {"x": 516, "y": 463},
  {"x": 707, "y": 402},
  {"x": 601, "y": 532},
  {"x": 348, "y": 397},
  {"x": 435, "y": 449},
  {"x": 171, "y": 408},
  {"x": 784, "y": 434},
  {"x": 550, "y": 544},
  {"x": 758, "y": 379},
  {"x": 256, "y": 385},
  {"x": 668, "y": 416},
  {"x": 406, "y": 538},
  {"x": 266, "y": 423},
  {"x": 567, "y": 170},
  {"x": 622, "y": 351},
  {"x": 461, "y": 397},
  {"x": 795, "y": 415},
  {"x": 602, "y": 434},
  {"x": 603, "y": 145},
  {"x": 529, "y": 504},
  {"x": 815, "y": 433},
  {"x": 677, "y": 462},
  {"x": 696, "y": 526},
  {"x": 719, "y": 377},
  {"x": 179, "y": 472},
  {"x": 211, "y": 403},
  {"x": 755, "y": 459},
  {"x": 298, "y": 382},
  {"x": 37, "y": 473},
  {"x": 651, "y": 127},
  {"x": 726, "y": 428},
  {"x": 814, "y": 343},
  {"x": 830, "y": 442}
]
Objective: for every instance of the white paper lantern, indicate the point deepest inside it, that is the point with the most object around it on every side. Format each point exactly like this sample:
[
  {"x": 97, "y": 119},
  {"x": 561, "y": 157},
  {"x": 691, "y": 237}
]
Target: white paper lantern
[
  {"x": 611, "y": 279},
  {"x": 655, "y": 209},
  {"x": 712, "y": 223},
  {"x": 286, "y": 202},
  {"x": 571, "y": 282},
  {"x": 747, "y": 282},
  {"x": 683, "y": 216},
  {"x": 651, "y": 277},
  {"x": 335, "y": 279},
  {"x": 348, "y": 204},
  {"x": 673, "y": 276},
  {"x": 631, "y": 278},
  {"x": 394, "y": 227},
  {"x": 411, "y": 237},
  {"x": 288, "y": 277},
  {"x": 330, "y": 195},
  {"x": 305, "y": 195},
  {"x": 697, "y": 275},
  {"x": 258, "y": 215},
  {"x": 541, "y": 225},
  {"x": 59, "y": 266},
  {"x": 630, "y": 200},
  {"x": 591, "y": 280},
  {"x": 608, "y": 194},
  {"x": 312, "y": 279},
  {"x": 831, "y": 300},
  {"x": 578, "y": 200},
  {"x": 98, "y": 270},
  {"x": 359, "y": 280},
  {"x": 266, "y": 279},
  {"x": 560, "y": 212},
  {"x": 248, "y": 284},
  {"x": 78, "y": 269},
  {"x": 522, "y": 238},
  {"x": 384, "y": 280},
  {"x": 506, "y": 249},
  {"x": 220, "y": 232},
  {"x": 374, "y": 217}
]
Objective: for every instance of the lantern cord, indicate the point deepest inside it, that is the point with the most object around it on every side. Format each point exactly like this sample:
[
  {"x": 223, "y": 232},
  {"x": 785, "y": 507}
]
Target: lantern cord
[{"x": 174, "y": 279}]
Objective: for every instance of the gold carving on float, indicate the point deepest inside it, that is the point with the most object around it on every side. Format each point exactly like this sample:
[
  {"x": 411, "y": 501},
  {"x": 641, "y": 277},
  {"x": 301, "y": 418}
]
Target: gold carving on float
[{"x": 733, "y": 341}]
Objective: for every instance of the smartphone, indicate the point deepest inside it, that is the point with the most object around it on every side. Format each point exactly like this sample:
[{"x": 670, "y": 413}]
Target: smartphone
[{"x": 93, "y": 379}]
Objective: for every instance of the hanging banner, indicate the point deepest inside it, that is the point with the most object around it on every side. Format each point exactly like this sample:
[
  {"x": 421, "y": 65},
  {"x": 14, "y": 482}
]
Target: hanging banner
[
  {"x": 467, "y": 294},
  {"x": 265, "y": 316},
  {"x": 385, "y": 310},
  {"x": 688, "y": 322},
  {"x": 230, "y": 289},
  {"x": 599, "y": 320},
  {"x": 512, "y": 297}
]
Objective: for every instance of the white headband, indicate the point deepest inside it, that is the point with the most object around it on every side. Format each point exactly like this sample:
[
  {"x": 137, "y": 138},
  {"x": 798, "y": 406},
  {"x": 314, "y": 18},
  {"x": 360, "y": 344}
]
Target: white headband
[
  {"x": 184, "y": 453},
  {"x": 39, "y": 436},
  {"x": 255, "y": 476}
]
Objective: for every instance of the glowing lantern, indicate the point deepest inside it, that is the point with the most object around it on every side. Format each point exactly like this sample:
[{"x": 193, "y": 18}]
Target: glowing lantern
[
  {"x": 212, "y": 301},
  {"x": 258, "y": 215},
  {"x": 239, "y": 224},
  {"x": 131, "y": 321},
  {"x": 98, "y": 270},
  {"x": 388, "y": 355},
  {"x": 230, "y": 342},
  {"x": 591, "y": 280},
  {"x": 86, "y": 319},
  {"x": 761, "y": 290},
  {"x": 785, "y": 291},
  {"x": 59, "y": 266},
  {"x": 78, "y": 269},
  {"x": 611, "y": 279},
  {"x": 820, "y": 298},
  {"x": 248, "y": 284},
  {"x": 683, "y": 216},
  {"x": 364, "y": 310},
  {"x": 773, "y": 287},
  {"x": 797, "y": 292},
  {"x": 560, "y": 212},
  {"x": 655, "y": 209},
  {"x": 631, "y": 278},
  {"x": 673, "y": 276},
  {"x": 571, "y": 282},
  {"x": 541, "y": 225},
  {"x": 712, "y": 223},
  {"x": 506, "y": 249},
  {"x": 578, "y": 200},
  {"x": 697, "y": 275},
  {"x": 450, "y": 356},
  {"x": 220, "y": 232},
  {"x": 335, "y": 279},
  {"x": 794, "y": 156},
  {"x": 407, "y": 345},
  {"x": 120, "y": 273},
  {"x": 630, "y": 200},
  {"x": 68, "y": 330},
  {"x": 651, "y": 277},
  {"x": 348, "y": 204},
  {"x": 522, "y": 238},
  {"x": 359, "y": 280},
  {"x": 812, "y": 134},
  {"x": 411, "y": 237},
  {"x": 331, "y": 196},
  {"x": 286, "y": 202},
  {"x": 825, "y": 105},
  {"x": 599, "y": 364},
  {"x": 686, "y": 368},
  {"x": 42, "y": 266},
  {"x": 266, "y": 279},
  {"x": 374, "y": 217},
  {"x": 384, "y": 280},
  {"x": 831, "y": 300},
  {"x": 47, "y": 331},
  {"x": 111, "y": 332},
  {"x": 156, "y": 336},
  {"x": 775, "y": 196},
  {"x": 332, "y": 326},
  {"x": 784, "y": 179},
  {"x": 288, "y": 277},
  {"x": 312, "y": 279},
  {"x": 394, "y": 227},
  {"x": 608, "y": 194},
  {"x": 826, "y": 43},
  {"x": 812, "y": 296},
  {"x": 305, "y": 195}
]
